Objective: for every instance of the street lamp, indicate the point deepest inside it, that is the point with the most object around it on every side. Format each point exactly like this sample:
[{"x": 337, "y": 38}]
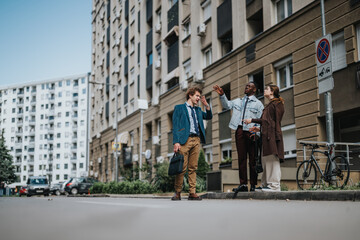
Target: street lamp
[{"x": 116, "y": 130}]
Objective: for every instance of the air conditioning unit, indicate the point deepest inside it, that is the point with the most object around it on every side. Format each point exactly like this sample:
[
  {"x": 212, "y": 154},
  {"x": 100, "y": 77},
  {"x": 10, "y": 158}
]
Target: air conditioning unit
[
  {"x": 100, "y": 87},
  {"x": 139, "y": 1},
  {"x": 184, "y": 85},
  {"x": 96, "y": 174},
  {"x": 158, "y": 28},
  {"x": 158, "y": 64},
  {"x": 91, "y": 173},
  {"x": 101, "y": 40},
  {"x": 155, "y": 140},
  {"x": 201, "y": 29},
  {"x": 135, "y": 157},
  {"x": 102, "y": 16},
  {"x": 117, "y": 15},
  {"x": 155, "y": 101},
  {"x": 91, "y": 163},
  {"x": 198, "y": 77},
  {"x": 93, "y": 51},
  {"x": 117, "y": 42},
  {"x": 99, "y": 160},
  {"x": 116, "y": 70}
]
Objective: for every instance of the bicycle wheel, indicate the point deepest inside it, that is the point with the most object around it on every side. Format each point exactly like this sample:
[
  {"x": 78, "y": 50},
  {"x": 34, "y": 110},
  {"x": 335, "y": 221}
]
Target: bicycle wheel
[
  {"x": 306, "y": 175},
  {"x": 340, "y": 173}
]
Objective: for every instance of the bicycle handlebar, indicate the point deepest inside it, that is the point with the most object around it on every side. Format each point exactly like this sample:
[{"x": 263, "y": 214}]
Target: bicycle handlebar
[{"x": 315, "y": 145}]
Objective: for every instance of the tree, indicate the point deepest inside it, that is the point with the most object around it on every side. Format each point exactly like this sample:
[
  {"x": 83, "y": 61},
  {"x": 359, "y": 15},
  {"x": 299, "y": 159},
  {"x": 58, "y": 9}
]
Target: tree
[
  {"x": 7, "y": 170},
  {"x": 203, "y": 166}
]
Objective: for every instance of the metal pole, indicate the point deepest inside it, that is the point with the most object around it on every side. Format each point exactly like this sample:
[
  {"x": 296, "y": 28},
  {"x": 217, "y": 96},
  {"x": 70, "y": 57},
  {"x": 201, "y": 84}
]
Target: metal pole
[
  {"x": 88, "y": 124},
  {"x": 327, "y": 96},
  {"x": 141, "y": 140},
  {"x": 116, "y": 136}
]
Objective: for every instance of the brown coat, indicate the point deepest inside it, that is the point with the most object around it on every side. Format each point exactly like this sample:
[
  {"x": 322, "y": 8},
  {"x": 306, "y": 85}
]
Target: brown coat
[{"x": 272, "y": 139}]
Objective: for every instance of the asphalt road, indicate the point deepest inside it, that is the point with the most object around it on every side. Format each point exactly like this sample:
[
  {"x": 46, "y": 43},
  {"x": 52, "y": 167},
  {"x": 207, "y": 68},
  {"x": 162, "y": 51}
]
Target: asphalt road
[{"x": 39, "y": 218}]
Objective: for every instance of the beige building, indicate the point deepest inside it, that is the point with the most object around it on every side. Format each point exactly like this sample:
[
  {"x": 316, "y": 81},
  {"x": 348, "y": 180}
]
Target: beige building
[{"x": 156, "y": 49}]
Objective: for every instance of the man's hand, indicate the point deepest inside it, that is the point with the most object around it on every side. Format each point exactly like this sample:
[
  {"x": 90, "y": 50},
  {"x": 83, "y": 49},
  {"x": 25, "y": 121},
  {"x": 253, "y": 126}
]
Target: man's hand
[
  {"x": 247, "y": 121},
  {"x": 203, "y": 100},
  {"x": 254, "y": 129},
  {"x": 218, "y": 89},
  {"x": 177, "y": 147}
]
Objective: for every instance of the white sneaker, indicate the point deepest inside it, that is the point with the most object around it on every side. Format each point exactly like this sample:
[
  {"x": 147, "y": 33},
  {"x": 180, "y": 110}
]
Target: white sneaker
[{"x": 267, "y": 189}]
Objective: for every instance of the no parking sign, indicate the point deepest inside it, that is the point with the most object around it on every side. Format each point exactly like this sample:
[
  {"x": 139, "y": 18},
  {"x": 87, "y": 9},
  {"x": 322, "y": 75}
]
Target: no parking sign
[{"x": 323, "y": 61}]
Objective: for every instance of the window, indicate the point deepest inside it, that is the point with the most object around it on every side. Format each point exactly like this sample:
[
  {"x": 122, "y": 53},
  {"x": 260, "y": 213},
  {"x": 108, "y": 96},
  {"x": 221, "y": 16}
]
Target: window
[
  {"x": 158, "y": 16},
  {"x": 66, "y": 166},
  {"x": 67, "y": 82},
  {"x": 289, "y": 138},
  {"x": 65, "y": 176},
  {"x": 187, "y": 69},
  {"x": 81, "y": 165},
  {"x": 57, "y": 177},
  {"x": 132, "y": 76},
  {"x": 60, "y": 84},
  {"x": 58, "y": 166},
  {"x": 284, "y": 73},
  {"x": 258, "y": 79},
  {"x": 283, "y": 9},
  {"x": 226, "y": 150},
  {"x": 206, "y": 6},
  {"x": 207, "y": 57},
  {"x": 187, "y": 29},
  {"x": 338, "y": 55}
]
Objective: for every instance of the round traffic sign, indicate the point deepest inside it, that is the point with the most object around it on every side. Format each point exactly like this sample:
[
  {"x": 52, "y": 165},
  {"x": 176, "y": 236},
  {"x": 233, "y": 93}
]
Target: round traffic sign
[{"x": 323, "y": 50}]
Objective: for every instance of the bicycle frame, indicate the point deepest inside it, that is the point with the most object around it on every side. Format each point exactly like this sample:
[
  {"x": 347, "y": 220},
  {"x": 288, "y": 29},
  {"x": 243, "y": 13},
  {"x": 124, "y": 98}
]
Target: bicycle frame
[{"x": 313, "y": 159}]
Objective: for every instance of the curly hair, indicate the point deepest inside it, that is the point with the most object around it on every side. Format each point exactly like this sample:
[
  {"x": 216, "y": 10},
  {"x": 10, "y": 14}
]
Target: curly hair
[{"x": 191, "y": 92}]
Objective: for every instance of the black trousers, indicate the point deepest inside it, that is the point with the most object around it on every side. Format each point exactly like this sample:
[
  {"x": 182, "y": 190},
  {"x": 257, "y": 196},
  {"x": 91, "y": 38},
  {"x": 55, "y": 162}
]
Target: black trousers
[{"x": 245, "y": 147}]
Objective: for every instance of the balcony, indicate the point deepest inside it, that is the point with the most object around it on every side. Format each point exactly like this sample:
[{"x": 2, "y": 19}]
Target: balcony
[
  {"x": 19, "y": 123},
  {"x": 52, "y": 90},
  {"x": 18, "y": 154},
  {"x": 52, "y": 100},
  {"x": 51, "y": 119},
  {"x": 173, "y": 56},
  {"x": 73, "y": 158},
  {"x": 52, "y": 112},
  {"x": 19, "y": 114},
  {"x": 51, "y": 130},
  {"x": 73, "y": 149},
  {"x": 31, "y": 171},
  {"x": 74, "y": 116},
  {"x": 50, "y": 150},
  {"x": 49, "y": 171},
  {"x": 32, "y": 112},
  {"x": 50, "y": 140},
  {"x": 33, "y": 103},
  {"x": 33, "y": 92},
  {"x": 20, "y": 104},
  {"x": 19, "y": 133},
  {"x": 32, "y": 122},
  {"x": 20, "y": 94},
  {"x": 31, "y": 144},
  {"x": 173, "y": 16},
  {"x": 32, "y": 133},
  {"x": 224, "y": 19},
  {"x": 75, "y": 96},
  {"x": 75, "y": 107},
  {"x": 50, "y": 159}
]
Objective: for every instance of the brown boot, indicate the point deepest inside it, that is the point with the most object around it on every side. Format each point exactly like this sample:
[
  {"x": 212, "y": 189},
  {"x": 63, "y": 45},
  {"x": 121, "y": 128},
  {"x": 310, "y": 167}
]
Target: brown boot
[
  {"x": 194, "y": 196},
  {"x": 176, "y": 197}
]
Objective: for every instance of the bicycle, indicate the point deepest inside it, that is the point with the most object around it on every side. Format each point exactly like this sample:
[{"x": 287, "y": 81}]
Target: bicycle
[{"x": 336, "y": 172}]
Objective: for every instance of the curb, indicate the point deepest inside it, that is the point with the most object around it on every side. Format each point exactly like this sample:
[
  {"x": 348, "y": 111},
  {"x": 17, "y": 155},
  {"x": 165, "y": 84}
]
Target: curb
[{"x": 345, "y": 195}]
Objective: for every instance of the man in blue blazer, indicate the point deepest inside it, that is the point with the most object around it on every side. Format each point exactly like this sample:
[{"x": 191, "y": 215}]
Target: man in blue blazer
[{"x": 188, "y": 134}]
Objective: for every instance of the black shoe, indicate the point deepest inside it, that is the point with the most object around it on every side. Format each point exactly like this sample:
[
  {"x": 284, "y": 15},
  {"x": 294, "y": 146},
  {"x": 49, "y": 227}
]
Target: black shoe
[
  {"x": 258, "y": 189},
  {"x": 241, "y": 188},
  {"x": 252, "y": 188}
]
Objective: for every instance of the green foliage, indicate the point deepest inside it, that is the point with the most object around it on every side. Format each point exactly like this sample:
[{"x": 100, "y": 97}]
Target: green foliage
[
  {"x": 7, "y": 170},
  {"x": 203, "y": 166},
  {"x": 200, "y": 184},
  {"x": 284, "y": 188},
  {"x": 227, "y": 160},
  {"x": 126, "y": 187},
  {"x": 162, "y": 181}
]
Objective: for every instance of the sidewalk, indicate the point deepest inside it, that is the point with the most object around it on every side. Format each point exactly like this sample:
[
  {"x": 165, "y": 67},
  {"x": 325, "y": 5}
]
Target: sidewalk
[{"x": 344, "y": 195}]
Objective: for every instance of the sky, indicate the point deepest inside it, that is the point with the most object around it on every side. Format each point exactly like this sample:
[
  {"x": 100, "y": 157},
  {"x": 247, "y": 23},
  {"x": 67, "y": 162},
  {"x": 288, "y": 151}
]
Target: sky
[{"x": 44, "y": 39}]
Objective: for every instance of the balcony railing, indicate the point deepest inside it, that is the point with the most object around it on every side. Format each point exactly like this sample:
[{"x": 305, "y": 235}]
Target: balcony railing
[{"x": 173, "y": 16}]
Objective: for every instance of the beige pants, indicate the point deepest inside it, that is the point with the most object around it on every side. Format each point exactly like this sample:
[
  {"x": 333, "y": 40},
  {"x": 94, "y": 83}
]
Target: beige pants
[
  {"x": 272, "y": 173},
  {"x": 190, "y": 150}
]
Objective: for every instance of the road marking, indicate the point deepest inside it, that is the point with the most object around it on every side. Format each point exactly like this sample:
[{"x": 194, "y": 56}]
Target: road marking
[{"x": 126, "y": 204}]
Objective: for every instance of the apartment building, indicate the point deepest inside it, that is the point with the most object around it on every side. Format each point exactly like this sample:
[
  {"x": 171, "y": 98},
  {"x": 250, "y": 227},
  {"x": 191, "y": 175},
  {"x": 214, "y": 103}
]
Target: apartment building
[
  {"x": 157, "y": 49},
  {"x": 45, "y": 127}
]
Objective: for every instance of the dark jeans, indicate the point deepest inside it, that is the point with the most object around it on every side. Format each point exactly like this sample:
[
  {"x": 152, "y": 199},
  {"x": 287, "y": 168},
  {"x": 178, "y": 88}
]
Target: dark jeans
[{"x": 245, "y": 146}]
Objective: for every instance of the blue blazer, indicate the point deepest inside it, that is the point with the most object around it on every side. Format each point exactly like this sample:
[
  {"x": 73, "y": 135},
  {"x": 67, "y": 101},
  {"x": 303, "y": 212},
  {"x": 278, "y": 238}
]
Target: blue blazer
[{"x": 181, "y": 123}]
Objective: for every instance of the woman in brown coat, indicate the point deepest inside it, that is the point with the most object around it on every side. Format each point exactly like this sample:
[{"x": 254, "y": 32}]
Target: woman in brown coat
[{"x": 272, "y": 139}]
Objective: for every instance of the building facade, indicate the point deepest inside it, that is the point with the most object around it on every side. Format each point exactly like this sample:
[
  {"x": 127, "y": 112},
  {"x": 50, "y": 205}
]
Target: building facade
[
  {"x": 45, "y": 127},
  {"x": 156, "y": 49}
]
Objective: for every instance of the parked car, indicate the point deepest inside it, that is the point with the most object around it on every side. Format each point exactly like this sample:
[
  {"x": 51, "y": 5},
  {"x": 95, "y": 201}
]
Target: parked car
[
  {"x": 55, "y": 188},
  {"x": 23, "y": 191},
  {"x": 79, "y": 185},
  {"x": 37, "y": 186},
  {"x": 63, "y": 185}
]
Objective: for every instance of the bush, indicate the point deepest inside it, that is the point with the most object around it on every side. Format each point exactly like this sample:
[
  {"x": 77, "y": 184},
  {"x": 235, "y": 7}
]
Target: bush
[
  {"x": 203, "y": 166},
  {"x": 162, "y": 181},
  {"x": 126, "y": 187}
]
